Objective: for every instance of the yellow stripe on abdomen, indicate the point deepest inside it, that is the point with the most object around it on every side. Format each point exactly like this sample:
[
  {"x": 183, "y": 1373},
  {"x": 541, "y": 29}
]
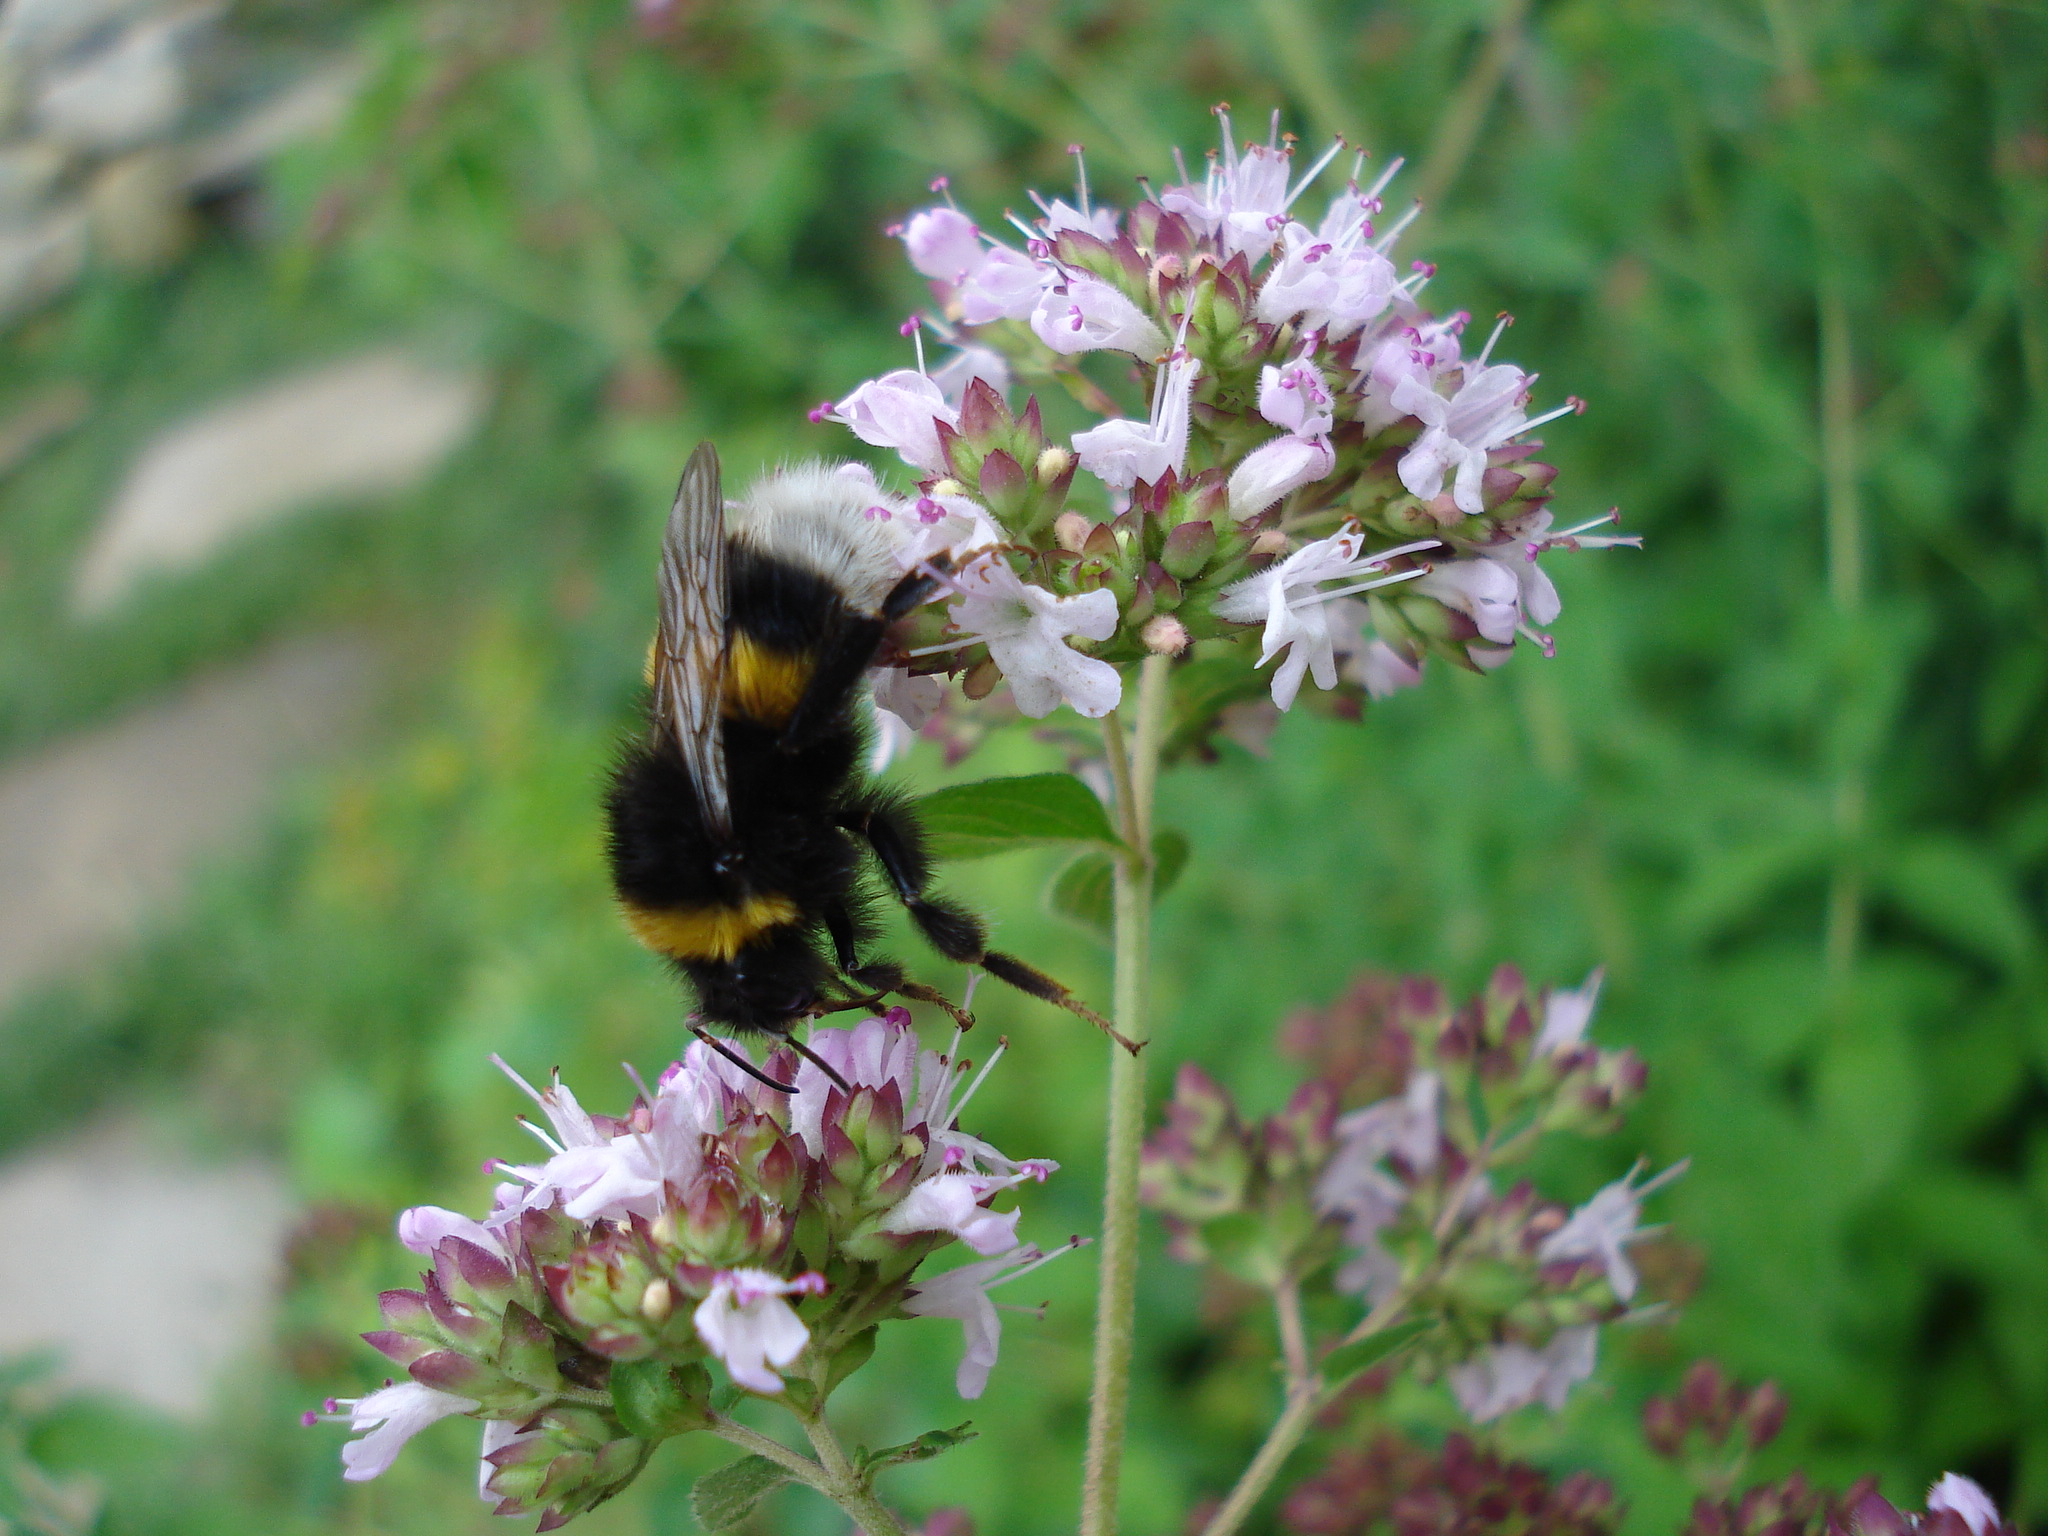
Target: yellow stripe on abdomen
[
  {"x": 707, "y": 933},
  {"x": 764, "y": 684}
]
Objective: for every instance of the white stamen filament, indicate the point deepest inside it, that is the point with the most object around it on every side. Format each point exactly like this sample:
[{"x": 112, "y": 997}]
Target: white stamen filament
[
  {"x": 1533, "y": 424},
  {"x": 1613, "y": 516},
  {"x": 1380, "y": 183},
  {"x": 505, "y": 1067},
  {"x": 1386, "y": 241},
  {"x": 994, "y": 1056},
  {"x": 942, "y": 1080},
  {"x": 1363, "y": 586},
  {"x": 546, "y": 1140},
  {"x": 1501, "y": 323},
  {"x": 1313, "y": 172}
]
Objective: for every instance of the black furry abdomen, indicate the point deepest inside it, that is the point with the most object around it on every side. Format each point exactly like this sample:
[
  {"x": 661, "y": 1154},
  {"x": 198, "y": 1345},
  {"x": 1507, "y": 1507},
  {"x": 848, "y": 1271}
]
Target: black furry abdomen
[{"x": 740, "y": 920}]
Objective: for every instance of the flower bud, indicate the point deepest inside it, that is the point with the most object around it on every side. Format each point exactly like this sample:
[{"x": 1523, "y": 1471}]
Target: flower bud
[
  {"x": 1164, "y": 635},
  {"x": 657, "y": 1301},
  {"x": 563, "y": 1463},
  {"x": 1052, "y": 463},
  {"x": 1070, "y": 530},
  {"x": 1188, "y": 549}
]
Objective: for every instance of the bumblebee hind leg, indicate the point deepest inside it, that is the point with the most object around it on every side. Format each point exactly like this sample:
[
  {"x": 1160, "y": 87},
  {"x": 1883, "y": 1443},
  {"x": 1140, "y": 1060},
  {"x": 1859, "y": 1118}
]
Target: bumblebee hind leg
[
  {"x": 883, "y": 977},
  {"x": 949, "y": 927}
]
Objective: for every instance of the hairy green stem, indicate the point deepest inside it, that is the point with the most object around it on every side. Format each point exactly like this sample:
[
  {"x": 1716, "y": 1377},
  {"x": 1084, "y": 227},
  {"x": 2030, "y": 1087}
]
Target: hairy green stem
[
  {"x": 797, "y": 1465},
  {"x": 832, "y": 1474},
  {"x": 849, "y": 1490},
  {"x": 1134, "y": 766}
]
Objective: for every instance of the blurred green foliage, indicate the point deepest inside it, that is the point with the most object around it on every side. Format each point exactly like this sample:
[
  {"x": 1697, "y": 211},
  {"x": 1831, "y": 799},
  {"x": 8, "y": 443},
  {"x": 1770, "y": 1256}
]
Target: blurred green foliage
[{"x": 1784, "y": 776}]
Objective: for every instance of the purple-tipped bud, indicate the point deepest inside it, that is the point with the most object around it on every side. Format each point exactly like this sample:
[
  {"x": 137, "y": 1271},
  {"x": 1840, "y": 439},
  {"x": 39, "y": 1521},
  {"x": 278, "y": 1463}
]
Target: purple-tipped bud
[
  {"x": 407, "y": 1311},
  {"x": 1004, "y": 484},
  {"x": 446, "y": 1371},
  {"x": 1497, "y": 486},
  {"x": 1664, "y": 1426},
  {"x": 456, "y": 1322},
  {"x": 1708, "y": 1398},
  {"x": 398, "y": 1346},
  {"x": 486, "y": 1275},
  {"x": 526, "y": 1352},
  {"x": 1763, "y": 1415},
  {"x": 982, "y": 412}
]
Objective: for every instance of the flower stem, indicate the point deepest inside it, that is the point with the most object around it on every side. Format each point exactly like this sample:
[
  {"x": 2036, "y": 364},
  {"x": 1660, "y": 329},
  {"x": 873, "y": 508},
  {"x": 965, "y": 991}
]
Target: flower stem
[
  {"x": 1307, "y": 1396},
  {"x": 1302, "y": 1405},
  {"x": 1134, "y": 766},
  {"x": 797, "y": 1465},
  {"x": 849, "y": 1490},
  {"x": 831, "y": 1475}
]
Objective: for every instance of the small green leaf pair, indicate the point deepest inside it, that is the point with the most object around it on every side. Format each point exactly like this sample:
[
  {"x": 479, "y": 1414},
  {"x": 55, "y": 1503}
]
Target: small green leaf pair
[
  {"x": 723, "y": 1498},
  {"x": 1045, "y": 810}
]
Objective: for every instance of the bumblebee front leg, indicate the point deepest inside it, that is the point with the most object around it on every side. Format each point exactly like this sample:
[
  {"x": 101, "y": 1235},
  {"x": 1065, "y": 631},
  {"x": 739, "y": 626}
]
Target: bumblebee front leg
[{"x": 949, "y": 927}]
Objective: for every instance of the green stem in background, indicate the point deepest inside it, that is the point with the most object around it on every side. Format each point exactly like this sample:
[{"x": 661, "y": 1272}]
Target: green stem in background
[{"x": 1134, "y": 767}]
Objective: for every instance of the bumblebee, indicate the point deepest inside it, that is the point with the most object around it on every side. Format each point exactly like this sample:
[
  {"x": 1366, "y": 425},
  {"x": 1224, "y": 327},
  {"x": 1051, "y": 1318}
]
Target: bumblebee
[{"x": 742, "y": 822}]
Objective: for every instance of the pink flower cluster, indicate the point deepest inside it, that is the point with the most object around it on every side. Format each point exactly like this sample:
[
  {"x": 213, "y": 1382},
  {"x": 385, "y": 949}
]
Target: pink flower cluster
[
  {"x": 1307, "y": 422},
  {"x": 717, "y": 1220}
]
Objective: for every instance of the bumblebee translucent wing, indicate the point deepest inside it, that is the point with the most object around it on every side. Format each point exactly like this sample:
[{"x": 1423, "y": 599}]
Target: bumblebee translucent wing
[{"x": 689, "y": 661}]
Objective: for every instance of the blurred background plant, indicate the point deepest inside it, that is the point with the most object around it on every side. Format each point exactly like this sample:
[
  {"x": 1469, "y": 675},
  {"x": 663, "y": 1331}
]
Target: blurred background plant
[{"x": 1783, "y": 777}]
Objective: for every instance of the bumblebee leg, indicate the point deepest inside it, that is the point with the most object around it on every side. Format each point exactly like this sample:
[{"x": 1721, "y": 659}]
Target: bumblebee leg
[
  {"x": 740, "y": 1061},
  {"x": 885, "y": 976},
  {"x": 950, "y": 928}
]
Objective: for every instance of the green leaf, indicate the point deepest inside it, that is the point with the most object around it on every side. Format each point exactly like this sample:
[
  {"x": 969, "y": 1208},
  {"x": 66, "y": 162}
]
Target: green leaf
[
  {"x": 1084, "y": 890},
  {"x": 971, "y": 821},
  {"x": 1961, "y": 894},
  {"x": 723, "y": 1498},
  {"x": 1354, "y": 1359},
  {"x": 932, "y": 1443}
]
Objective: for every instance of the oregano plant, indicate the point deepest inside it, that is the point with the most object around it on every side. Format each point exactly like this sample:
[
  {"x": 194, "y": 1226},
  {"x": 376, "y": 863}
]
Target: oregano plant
[{"x": 1299, "y": 485}]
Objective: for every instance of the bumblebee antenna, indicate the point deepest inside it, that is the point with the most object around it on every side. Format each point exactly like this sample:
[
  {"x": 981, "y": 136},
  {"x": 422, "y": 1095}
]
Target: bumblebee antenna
[
  {"x": 818, "y": 1061},
  {"x": 742, "y": 1063}
]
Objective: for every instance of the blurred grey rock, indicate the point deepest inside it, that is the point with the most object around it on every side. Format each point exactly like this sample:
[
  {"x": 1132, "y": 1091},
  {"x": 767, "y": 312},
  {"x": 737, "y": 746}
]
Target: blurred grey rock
[
  {"x": 352, "y": 431},
  {"x": 116, "y": 114},
  {"x": 193, "y": 1292},
  {"x": 98, "y": 833}
]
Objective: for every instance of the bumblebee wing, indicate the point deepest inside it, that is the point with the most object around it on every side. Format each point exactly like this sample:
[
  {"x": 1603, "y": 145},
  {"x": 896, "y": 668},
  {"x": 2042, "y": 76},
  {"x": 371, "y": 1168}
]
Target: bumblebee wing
[{"x": 690, "y": 650}]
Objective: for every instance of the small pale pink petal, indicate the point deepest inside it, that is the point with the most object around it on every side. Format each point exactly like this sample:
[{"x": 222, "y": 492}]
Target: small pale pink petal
[
  {"x": 391, "y": 1416},
  {"x": 943, "y": 243}
]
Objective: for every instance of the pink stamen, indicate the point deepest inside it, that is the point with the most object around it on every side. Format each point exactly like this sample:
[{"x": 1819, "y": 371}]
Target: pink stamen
[{"x": 820, "y": 413}]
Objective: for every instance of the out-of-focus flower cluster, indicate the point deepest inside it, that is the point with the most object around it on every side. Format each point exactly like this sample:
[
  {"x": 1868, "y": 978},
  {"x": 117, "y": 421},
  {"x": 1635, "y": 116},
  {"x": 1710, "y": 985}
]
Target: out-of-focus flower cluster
[
  {"x": 1320, "y": 460},
  {"x": 1458, "y": 1491},
  {"x": 1393, "y": 1484},
  {"x": 1406, "y": 1192},
  {"x": 717, "y": 1221}
]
